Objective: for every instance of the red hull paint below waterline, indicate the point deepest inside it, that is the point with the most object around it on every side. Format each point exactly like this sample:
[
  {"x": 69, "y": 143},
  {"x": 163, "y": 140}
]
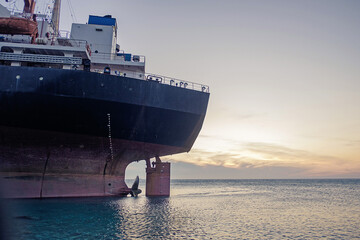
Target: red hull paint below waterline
[
  {"x": 44, "y": 164},
  {"x": 33, "y": 185}
]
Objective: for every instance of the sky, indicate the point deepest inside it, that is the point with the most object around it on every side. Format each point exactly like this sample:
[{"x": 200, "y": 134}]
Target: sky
[{"x": 284, "y": 80}]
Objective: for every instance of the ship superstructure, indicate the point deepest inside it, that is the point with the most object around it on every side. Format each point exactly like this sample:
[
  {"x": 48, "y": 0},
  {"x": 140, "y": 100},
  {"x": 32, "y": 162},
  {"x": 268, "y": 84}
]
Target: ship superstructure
[{"x": 76, "y": 110}]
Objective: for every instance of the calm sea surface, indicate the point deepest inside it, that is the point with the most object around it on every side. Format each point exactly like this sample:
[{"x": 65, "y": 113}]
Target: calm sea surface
[{"x": 200, "y": 209}]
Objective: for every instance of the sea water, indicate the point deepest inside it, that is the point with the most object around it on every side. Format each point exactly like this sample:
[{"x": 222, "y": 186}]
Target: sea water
[{"x": 199, "y": 209}]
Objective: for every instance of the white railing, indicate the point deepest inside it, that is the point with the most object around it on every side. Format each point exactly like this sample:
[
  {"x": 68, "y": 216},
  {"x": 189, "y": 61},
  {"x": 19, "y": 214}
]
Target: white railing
[
  {"x": 122, "y": 58},
  {"x": 161, "y": 80},
  {"x": 14, "y": 57},
  {"x": 71, "y": 42},
  {"x": 176, "y": 82},
  {"x": 64, "y": 34}
]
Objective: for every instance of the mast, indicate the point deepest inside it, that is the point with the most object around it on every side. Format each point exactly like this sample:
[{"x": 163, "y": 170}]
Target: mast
[{"x": 56, "y": 17}]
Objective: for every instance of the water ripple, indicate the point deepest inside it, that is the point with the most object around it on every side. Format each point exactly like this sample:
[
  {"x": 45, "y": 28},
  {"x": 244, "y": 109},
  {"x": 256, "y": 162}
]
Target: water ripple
[{"x": 200, "y": 209}]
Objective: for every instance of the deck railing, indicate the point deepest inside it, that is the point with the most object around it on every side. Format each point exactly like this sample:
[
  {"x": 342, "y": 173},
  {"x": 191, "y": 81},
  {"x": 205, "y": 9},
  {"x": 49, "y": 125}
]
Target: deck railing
[
  {"x": 119, "y": 57},
  {"x": 71, "y": 42},
  {"x": 176, "y": 82},
  {"x": 162, "y": 80}
]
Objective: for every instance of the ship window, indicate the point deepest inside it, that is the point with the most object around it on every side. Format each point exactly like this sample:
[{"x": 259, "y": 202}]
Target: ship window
[{"x": 98, "y": 29}]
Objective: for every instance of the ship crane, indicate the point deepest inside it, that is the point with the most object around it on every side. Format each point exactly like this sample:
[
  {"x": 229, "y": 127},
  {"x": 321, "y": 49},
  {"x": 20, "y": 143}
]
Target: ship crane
[{"x": 29, "y": 6}]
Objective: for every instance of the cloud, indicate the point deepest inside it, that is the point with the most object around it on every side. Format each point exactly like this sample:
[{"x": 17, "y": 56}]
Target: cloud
[
  {"x": 182, "y": 170},
  {"x": 258, "y": 156},
  {"x": 352, "y": 143},
  {"x": 233, "y": 115}
]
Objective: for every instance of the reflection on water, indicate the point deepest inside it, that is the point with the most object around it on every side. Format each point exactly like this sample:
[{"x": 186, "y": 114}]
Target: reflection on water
[
  {"x": 143, "y": 217},
  {"x": 200, "y": 209}
]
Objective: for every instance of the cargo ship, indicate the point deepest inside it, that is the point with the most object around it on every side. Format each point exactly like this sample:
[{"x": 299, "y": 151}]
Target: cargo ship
[{"x": 75, "y": 110}]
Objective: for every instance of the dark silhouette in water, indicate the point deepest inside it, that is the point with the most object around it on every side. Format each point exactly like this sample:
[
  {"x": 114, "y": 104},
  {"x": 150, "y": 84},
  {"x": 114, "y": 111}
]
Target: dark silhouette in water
[
  {"x": 26, "y": 218},
  {"x": 135, "y": 191}
]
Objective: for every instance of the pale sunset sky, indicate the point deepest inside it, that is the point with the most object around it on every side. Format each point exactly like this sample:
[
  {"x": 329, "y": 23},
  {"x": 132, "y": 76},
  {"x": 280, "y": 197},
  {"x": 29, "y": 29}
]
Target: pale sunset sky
[{"x": 284, "y": 79}]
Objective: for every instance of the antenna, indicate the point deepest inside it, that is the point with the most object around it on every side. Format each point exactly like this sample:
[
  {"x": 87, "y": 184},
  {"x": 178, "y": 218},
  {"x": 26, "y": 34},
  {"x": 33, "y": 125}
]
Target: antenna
[{"x": 72, "y": 12}]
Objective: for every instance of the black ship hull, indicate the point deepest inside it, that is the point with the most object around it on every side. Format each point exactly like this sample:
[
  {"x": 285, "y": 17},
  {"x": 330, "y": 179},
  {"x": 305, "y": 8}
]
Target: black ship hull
[{"x": 72, "y": 133}]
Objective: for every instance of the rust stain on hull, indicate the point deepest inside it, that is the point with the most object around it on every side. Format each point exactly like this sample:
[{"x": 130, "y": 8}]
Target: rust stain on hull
[{"x": 42, "y": 164}]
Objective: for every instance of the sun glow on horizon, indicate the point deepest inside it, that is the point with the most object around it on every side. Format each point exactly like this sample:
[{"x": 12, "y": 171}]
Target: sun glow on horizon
[
  {"x": 213, "y": 151},
  {"x": 284, "y": 79}
]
